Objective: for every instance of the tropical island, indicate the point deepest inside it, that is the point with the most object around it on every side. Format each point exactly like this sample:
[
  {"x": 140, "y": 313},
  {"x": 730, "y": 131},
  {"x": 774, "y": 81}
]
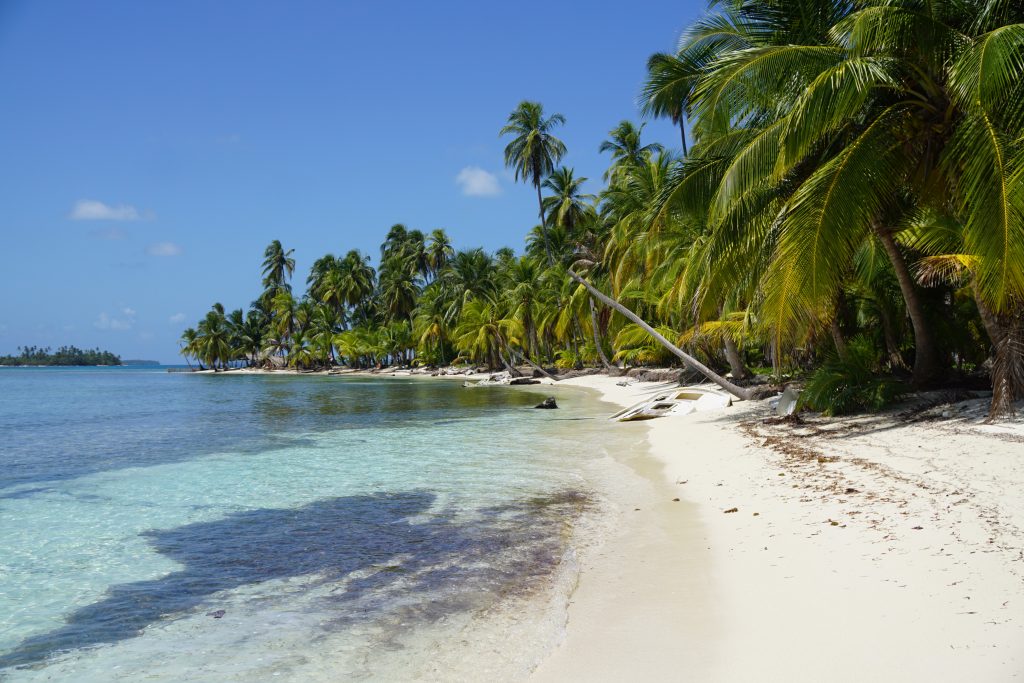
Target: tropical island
[
  {"x": 65, "y": 355},
  {"x": 845, "y": 209},
  {"x": 357, "y": 483}
]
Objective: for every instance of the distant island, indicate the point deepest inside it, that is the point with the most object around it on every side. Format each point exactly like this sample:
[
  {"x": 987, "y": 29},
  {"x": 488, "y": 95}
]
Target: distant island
[
  {"x": 65, "y": 355},
  {"x": 135, "y": 361}
]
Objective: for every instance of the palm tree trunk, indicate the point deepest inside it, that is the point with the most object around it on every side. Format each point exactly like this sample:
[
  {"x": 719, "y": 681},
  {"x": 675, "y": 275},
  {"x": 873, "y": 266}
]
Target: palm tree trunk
[
  {"x": 732, "y": 354},
  {"x": 988, "y": 316},
  {"x": 508, "y": 366},
  {"x": 597, "y": 338},
  {"x": 537, "y": 367},
  {"x": 1007, "y": 364},
  {"x": 837, "y": 338},
  {"x": 926, "y": 357},
  {"x": 544, "y": 224},
  {"x": 690, "y": 361},
  {"x": 682, "y": 131},
  {"x": 1006, "y": 332},
  {"x": 892, "y": 346}
]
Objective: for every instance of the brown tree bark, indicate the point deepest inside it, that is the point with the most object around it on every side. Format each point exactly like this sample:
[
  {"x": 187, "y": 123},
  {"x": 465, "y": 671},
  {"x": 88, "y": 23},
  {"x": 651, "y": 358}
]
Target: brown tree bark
[
  {"x": 1008, "y": 366},
  {"x": 1006, "y": 332},
  {"x": 736, "y": 364},
  {"x": 597, "y": 338},
  {"x": 926, "y": 357}
]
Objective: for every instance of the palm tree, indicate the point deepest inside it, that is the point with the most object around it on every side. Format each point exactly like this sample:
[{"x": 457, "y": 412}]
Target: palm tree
[
  {"x": 667, "y": 89},
  {"x": 871, "y": 123},
  {"x": 533, "y": 151},
  {"x": 187, "y": 342},
  {"x": 252, "y": 335},
  {"x": 283, "y": 321},
  {"x": 213, "y": 339},
  {"x": 278, "y": 266},
  {"x": 432, "y": 322},
  {"x": 483, "y": 334},
  {"x": 360, "y": 277},
  {"x": 394, "y": 242},
  {"x": 627, "y": 152},
  {"x": 319, "y": 274},
  {"x": 439, "y": 252},
  {"x": 567, "y": 205},
  {"x": 398, "y": 286},
  {"x": 470, "y": 275},
  {"x": 522, "y": 289}
]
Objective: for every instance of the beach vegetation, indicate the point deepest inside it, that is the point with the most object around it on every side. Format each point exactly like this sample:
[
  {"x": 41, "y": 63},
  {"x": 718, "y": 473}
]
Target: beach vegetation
[{"x": 65, "y": 355}]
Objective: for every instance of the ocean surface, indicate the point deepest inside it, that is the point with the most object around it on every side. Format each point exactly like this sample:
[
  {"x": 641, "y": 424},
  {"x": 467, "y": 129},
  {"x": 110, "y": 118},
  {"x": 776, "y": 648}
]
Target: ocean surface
[{"x": 178, "y": 527}]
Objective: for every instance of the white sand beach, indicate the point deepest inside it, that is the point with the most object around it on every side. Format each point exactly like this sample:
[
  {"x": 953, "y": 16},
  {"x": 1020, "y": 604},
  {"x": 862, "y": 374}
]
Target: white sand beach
[{"x": 873, "y": 548}]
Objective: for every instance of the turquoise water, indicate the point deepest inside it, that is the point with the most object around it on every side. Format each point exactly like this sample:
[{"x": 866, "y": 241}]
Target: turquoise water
[{"x": 253, "y": 527}]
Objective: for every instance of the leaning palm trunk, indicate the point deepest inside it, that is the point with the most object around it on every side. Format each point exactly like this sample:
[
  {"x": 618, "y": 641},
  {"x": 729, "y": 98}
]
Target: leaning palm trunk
[
  {"x": 926, "y": 358},
  {"x": 597, "y": 338},
  {"x": 690, "y": 361},
  {"x": 533, "y": 365}
]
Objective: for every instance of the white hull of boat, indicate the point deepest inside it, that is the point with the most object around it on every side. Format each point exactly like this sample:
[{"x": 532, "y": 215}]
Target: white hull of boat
[{"x": 682, "y": 401}]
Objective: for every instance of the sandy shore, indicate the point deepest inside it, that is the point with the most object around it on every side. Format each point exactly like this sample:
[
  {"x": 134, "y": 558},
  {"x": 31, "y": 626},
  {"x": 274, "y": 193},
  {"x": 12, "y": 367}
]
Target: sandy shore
[{"x": 877, "y": 548}]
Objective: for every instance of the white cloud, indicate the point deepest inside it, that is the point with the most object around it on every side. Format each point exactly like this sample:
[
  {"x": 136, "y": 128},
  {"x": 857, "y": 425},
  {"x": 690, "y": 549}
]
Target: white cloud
[
  {"x": 130, "y": 312},
  {"x": 107, "y": 322},
  {"x": 163, "y": 249},
  {"x": 476, "y": 182},
  {"x": 94, "y": 210},
  {"x": 176, "y": 319}
]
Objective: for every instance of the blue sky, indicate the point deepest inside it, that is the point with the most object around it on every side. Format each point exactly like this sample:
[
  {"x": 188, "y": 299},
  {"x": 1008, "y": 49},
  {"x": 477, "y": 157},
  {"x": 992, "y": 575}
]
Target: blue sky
[{"x": 151, "y": 150}]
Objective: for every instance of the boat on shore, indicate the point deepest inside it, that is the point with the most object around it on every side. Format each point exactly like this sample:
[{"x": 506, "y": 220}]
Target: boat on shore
[{"x": 681, "y": 401}]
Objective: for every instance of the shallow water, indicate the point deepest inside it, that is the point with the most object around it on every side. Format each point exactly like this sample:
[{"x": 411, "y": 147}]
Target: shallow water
[{"x": 295, "y": 528}]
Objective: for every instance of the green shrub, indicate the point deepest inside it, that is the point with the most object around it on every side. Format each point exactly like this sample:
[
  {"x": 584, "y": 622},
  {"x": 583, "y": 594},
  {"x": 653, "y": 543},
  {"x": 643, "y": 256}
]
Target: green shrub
[
  {"x": 567, "y": 359},
  {"x": 851, "y": 384}
]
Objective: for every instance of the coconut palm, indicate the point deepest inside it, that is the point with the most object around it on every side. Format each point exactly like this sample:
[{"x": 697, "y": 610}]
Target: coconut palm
[
  {"x": 188, "y": 345},
  {"x": 278, "y": 266},
  {"x": 667, "y": 89},
  {"x": 627, "y": 152},
  {"x": 882, "y": 112},
  {"x": 439, "y": 252},
  {"x": 566, "y": 205},
  {"x": 213, "y": 340},
  {"x": 399, "y": 286},
  {"x": 534, "y": 151},
  {"x": 483, "y": 335}
]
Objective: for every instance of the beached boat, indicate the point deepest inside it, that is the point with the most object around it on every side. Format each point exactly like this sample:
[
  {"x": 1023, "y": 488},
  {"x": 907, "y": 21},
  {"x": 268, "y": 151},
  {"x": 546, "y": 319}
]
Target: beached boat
[{"x": 680, "y": 401}]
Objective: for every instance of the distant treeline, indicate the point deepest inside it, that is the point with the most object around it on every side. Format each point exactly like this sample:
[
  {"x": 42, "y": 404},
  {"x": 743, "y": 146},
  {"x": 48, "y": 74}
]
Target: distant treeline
[{"x": 65, "y": 355}]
